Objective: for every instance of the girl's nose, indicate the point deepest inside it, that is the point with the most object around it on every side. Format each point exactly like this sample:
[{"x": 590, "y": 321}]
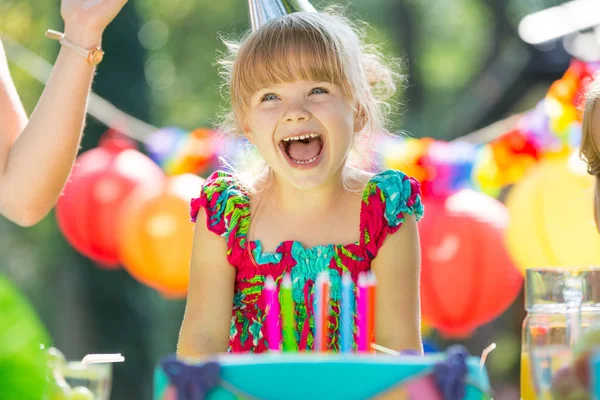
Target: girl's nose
[{"x": 296, "y": 113}]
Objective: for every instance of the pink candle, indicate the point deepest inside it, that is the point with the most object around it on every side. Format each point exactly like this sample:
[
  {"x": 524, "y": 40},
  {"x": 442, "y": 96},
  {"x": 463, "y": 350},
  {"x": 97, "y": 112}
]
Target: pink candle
[
  {"x": 371, "y": 311},
  {"x": 324, "y": 288},
  {"x": 273, "y": 326},
  {"x": 362, "y": 315}
]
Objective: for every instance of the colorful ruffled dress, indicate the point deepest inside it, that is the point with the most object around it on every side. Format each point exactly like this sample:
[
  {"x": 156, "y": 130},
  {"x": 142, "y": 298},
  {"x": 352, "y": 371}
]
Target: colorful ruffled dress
[{"x": 387, "y": 197}]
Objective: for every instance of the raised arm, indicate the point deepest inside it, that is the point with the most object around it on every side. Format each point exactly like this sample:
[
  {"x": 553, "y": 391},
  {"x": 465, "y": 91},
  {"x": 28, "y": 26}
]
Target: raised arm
[
  {"x": 36, "y": 157},
  {"x": 207, "y": 319},
  {"x": 12, "y": 114}
]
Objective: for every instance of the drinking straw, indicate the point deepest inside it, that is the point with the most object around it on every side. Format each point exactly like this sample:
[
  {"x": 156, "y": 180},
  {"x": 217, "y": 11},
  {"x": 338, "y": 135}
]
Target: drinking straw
[{"x": 102, "y": 358}]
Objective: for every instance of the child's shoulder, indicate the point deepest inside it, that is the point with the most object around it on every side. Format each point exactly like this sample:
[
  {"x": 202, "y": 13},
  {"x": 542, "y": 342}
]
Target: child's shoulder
[
  {"x": 217, "y": 191},
  {"x": 389, "y": 197},
  {"x": 396, "y": 191},
  {"x": 221, "y": 195},
  {"x": 222, "y": 181},
  {"x": 386, "y": 180},
  {"x": 246, "y": 182},
  {"x": 391, "y": 174},
  {"x": 220, "y": 178}
]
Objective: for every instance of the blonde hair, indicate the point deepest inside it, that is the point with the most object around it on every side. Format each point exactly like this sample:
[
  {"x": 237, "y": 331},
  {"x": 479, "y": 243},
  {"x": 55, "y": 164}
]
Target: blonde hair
[
  {"x": 589, "y": 150},
  {"x": 309, "y": 46}
]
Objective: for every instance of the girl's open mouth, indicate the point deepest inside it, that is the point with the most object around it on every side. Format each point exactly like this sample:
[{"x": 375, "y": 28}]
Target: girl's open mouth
[{"x": 304, "y": 149}]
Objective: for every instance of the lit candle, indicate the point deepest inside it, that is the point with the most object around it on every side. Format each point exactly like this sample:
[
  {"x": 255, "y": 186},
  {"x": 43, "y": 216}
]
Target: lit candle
[
  {"x": 346, "y": 306},
  {"x": 273, "y": 327},
  {"x": 362, "y": 314},
  {"x": 287, "y": 315}
]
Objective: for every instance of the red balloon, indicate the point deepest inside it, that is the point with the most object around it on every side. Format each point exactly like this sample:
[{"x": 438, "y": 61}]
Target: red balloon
[
  {"x": 102, "y": 178},
  {"x": 467, "y": 276}
]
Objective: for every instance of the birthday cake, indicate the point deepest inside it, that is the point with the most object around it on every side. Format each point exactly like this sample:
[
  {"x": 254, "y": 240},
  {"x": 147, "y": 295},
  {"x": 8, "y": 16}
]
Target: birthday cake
[{"x": 444, "y": 376}]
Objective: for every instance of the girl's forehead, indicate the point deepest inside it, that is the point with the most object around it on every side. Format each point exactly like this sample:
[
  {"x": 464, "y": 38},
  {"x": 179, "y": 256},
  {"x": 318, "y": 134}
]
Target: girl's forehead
[{"x": 297, "y": 83}]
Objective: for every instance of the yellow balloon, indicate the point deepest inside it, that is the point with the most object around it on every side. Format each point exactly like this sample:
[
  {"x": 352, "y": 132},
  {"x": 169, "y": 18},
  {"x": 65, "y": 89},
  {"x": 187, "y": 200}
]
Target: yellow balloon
[{"x": 551, "y": 217}]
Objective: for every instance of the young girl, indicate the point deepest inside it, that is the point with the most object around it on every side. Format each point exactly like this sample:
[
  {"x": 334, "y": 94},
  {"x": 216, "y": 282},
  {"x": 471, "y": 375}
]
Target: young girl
[
  {"x": 36, "y": 156},
  {"x": 590, "y": 143},
  {"x": 303, "y": 89}
]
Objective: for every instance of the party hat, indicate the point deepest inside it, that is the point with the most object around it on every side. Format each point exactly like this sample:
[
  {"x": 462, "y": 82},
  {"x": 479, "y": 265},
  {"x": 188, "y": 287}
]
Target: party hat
[{"x": 262, "y": 11}]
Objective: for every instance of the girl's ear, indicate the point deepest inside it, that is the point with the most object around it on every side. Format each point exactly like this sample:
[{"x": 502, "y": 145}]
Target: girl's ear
[
  {"x": 360, "y": 119},
  {"x": 249, "y": 136},
  {"x": 247, "y": 131}
]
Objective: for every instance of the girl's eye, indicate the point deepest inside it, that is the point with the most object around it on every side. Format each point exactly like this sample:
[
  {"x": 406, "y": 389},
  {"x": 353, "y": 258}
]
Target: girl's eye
[
  {"x": 319, "y": 90},
  {"x": 269, "y": 96}
]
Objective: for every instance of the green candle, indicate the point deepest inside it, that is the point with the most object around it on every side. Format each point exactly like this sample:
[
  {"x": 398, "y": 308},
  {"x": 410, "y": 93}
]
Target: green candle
[{"x": 287, "y": 316}]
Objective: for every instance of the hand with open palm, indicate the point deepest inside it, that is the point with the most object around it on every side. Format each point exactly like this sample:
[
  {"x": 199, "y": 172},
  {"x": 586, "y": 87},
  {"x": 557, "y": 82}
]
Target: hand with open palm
[{"x": 85, "y": 20}]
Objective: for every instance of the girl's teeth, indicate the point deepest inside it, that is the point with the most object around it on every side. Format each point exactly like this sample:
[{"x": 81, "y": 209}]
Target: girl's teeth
[
  {"x": 303, "y": 137},
  {"x": 305, "y": 162}
]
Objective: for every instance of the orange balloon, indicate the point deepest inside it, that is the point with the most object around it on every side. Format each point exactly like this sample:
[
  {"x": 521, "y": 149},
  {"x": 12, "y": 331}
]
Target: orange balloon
[{"x": 155, "y": 235}]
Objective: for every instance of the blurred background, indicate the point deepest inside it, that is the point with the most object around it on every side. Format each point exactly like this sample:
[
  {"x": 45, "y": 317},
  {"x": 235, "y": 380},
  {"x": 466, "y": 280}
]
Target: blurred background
[{"x": 467, "y": 67}]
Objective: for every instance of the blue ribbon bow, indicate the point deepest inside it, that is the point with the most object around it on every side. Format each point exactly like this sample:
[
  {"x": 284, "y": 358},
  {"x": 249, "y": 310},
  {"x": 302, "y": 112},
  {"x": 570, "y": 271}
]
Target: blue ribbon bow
[
  {"x": 450, "y": 374},
  {"x": 193, "y": 382}
]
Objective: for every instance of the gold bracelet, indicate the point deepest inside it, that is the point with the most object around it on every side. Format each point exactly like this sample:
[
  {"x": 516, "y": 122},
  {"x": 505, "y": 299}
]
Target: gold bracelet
[{"x": 93, "y": 56}]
